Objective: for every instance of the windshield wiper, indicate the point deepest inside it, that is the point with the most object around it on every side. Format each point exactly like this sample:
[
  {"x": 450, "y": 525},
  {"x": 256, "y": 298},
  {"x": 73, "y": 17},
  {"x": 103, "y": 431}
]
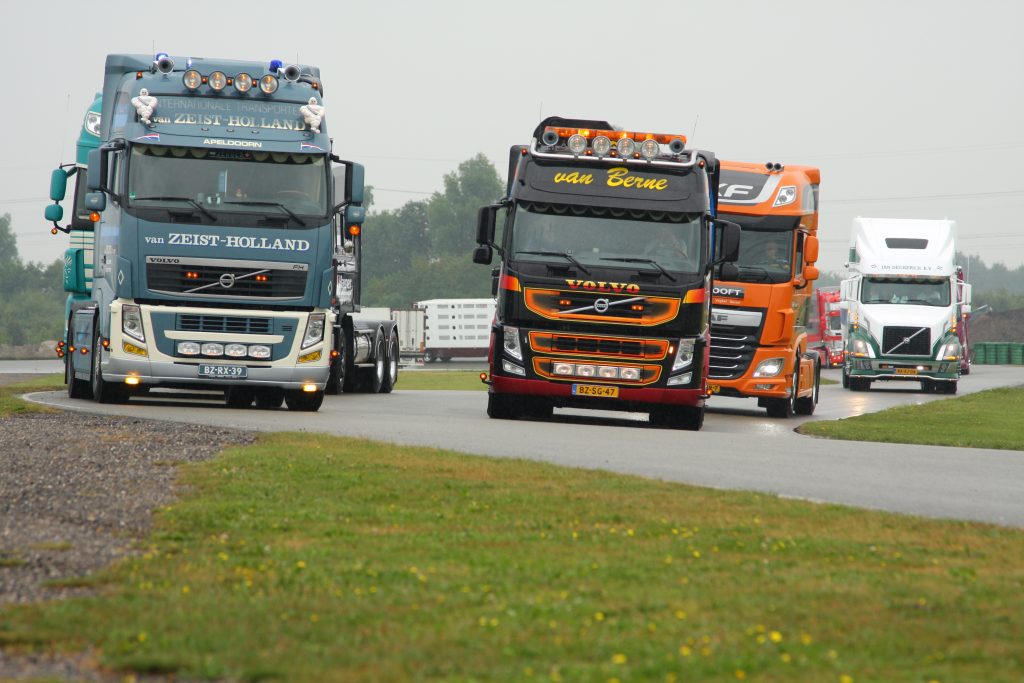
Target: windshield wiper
[
  {"x": 178, "y": 199},
  {"x": 564, "y": 254},
  {"x": 278, "y": 205},
  {"x": 642, "y": 260}
]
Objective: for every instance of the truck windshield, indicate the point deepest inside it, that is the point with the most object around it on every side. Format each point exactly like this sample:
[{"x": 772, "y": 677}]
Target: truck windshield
[
  {"x": 905, "y": 292},
  {"x": 227, "y": 180},
  {"x": 765, "y": 256},
  {"x": 601, "y": 237}
]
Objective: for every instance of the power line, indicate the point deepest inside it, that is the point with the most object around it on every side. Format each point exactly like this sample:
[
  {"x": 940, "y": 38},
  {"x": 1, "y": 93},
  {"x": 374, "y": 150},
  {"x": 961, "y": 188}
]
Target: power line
[{"x": 389, "y": 189}]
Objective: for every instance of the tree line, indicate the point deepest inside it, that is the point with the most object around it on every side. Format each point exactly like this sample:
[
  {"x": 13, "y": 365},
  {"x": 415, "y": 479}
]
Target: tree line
[{"x": 32, "y": 304}]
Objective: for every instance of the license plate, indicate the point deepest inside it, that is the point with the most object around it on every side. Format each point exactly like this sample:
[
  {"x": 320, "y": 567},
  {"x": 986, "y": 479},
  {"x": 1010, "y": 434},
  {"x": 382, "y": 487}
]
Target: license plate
[
  {"x": 715, "y": 388},
  {"x": 906, "y": 371},
  {"x": 594, "y": 390},
  {"x": 225, "y": 371}
]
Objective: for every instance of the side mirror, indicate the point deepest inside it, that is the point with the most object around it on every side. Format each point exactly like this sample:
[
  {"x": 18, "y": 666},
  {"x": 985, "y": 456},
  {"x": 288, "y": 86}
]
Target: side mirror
[
  {"x": 58, "y": 184},
  {"x": 54, "y": 213},
  {"x": 96, "y": 173},
  {"x": 355, "y": 215},
  {"x": 728, "y": 241},
  {"x": 355, "y": 183},
  {"x": 483, "y": 254},
  {"x": 485, "y": 221},
  {"x": 96, "y": 201},
  {"x": 810, "y": 251},
  {"x": 729, "y": 272},
  {"x": 965, "y": 309},
  {"x": 811, "y": 273}
]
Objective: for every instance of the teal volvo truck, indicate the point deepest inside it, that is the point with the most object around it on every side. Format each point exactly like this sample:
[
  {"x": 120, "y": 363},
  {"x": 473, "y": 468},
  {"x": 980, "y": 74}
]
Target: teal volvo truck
[{"x": 215, "y": 239}]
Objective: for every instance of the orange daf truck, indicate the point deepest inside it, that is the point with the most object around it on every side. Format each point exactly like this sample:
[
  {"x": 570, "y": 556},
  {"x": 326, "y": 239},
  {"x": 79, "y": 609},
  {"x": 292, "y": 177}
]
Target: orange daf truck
[{"x": 759, "y": 315}]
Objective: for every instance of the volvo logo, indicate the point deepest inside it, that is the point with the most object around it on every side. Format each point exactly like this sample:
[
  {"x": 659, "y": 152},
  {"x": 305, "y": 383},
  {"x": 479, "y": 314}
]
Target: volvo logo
[
  {"x": 601, "y": 305},
  {"x": 227, "y": 280}
]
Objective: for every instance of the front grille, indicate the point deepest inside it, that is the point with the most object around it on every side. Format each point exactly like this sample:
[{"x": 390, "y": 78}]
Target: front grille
[
  {"x": 732, "y": 350},
  {"x": 592, "y": 345},
  {"x": 226, "y": 280},
  {"x": 192, "y": 322},
  {"x": 906, "y": 341}
]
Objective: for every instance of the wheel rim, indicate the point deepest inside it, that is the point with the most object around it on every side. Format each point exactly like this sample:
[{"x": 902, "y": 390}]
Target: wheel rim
[
  {"x": 393, "y": 361},
  {"x": 380, "y": 361}
]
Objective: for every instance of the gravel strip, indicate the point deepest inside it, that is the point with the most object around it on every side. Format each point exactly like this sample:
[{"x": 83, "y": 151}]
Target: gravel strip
[{"x": 76, "y": 491}]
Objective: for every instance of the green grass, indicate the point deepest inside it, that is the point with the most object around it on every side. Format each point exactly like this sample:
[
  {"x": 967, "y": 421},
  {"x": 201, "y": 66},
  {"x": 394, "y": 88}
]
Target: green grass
[
  {"x": 446, "y": 380},
  {"x": 308, "y": 557},
  {"x": 11, "y": 404},
  {"x": 987, "y": 419}
]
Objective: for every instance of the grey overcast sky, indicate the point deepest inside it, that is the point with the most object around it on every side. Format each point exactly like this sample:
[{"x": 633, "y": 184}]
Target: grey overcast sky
[{"x": 910, "y": 108}]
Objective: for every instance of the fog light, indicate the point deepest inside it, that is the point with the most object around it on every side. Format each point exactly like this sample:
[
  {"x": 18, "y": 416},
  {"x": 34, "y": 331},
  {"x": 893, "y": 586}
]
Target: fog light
[
  {"x": 512, "y": 369},
  {"x": 586, "y": 370},
  {"x": 563, "y": 368},
  {"x": 631, "y": 374},
  {"x": 213, "y": 349},
  {"x": 133, "y": 381},
  {"x": 188, "y": 349},
  {"x": 309, "y": 388},
  {"x": 763, "y": 387},
  {"x": 608, "y": 372},
  {"x": 236, "y": 350},
  {"x": 680, "y": 379},
  {"x": 259, "y": 351}
]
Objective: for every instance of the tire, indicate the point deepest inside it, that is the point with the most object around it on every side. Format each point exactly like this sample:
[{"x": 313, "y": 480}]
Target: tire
[
  {"x": 678, "y": 417},
  {"x": 77, "y": 388},
  {"x": 927, "y": 386},
  {"x": 806, "y": 405},
  {"x": 390, "y": 364},
  {"x": 239, "y": 397},
  {"x": 502, "y": 407},
  {"x": 269, "y": 399},
  {"x": 102, "y": 391},
  {"x": 949, "y": 387},
  {"x": 307, "y": 402},
  {"x": 538, "y": 409},
  {"x": 371, "y": 380},
  {"x": 428, "y": 357},
  {"x": 785, "y": 408},
  {"x": 860, "y": 384},
  {"x": 334, "y": 378},
  {"x": 846, "y": 378}
]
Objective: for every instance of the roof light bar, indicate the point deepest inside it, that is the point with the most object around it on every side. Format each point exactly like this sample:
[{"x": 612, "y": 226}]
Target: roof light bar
[{"x": 661, "y": 138}]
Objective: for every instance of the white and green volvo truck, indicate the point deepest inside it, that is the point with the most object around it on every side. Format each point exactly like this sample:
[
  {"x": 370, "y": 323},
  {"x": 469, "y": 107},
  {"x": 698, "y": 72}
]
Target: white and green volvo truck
[{"x": 903, "y": 303}]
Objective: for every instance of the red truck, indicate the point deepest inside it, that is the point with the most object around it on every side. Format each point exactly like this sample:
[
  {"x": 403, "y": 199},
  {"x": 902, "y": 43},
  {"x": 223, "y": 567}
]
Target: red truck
[{"x": 825, "y": 326}]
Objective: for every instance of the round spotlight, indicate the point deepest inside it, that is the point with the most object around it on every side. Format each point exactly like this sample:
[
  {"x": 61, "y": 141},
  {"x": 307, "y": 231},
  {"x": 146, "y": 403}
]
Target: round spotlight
[
  {"x": 243, "y": 82},
  {"x": 218, "y": 81},
  {"x": 769, "y": 166},
  {"x": 601, "y": 146},
  {"x": 549, "y": 138},
  {"x": 649, "y": 149},
  {"x": 676, "y": 146},
  {"x": 192, "y": 79},
  {"x": 291, "y": 73},
  {"x": 778, "y": 166},
  {"x": 625, "y": 147},
  {"x": 164, "y": 64},
  {"x": 268, "y": 84},
  {"x": 577, "y": 144}
]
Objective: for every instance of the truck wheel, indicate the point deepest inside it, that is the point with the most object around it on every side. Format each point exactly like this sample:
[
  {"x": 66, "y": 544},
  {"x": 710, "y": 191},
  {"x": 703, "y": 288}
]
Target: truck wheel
[
  {"x": 846, "y": 378},
  {"x": 678, "y": 417},
  {"x": 502, "y": 407},
  {"x": 538, "y": 409},
  {"x": 860, "y": 384},
  {"x": 303, "y": 401},
  {"x": 949, "y": 387},
  {"x": 239, "y": 397},
  {"x": 927, "y": 386},
  {"x": 428, "y": 357},
  {"x": 806, "y": 405},
  {"x": 390, "y": 364},
  {"x": 77, "y": 388},
  {"x": 784, "y": 408},
  {"x": 373, "y": 378},
  {"x": 102, "y": 391},
  {"x": 333, "y": 378},
  {"x": 269, "y": 398}
]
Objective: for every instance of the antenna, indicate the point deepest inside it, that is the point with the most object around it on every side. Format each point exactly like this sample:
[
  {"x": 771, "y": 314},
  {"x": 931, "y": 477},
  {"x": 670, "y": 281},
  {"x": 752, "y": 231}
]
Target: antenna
[{"x": 694, "y": 133}]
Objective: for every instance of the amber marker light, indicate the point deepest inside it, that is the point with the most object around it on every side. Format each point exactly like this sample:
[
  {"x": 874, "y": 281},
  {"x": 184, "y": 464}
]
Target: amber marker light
[
  {"x": 354, "y": 230},
  {"x": 106, "y": 343},
  {"x": 94, "y": 216},
  {"x": 84, "y": 350},
  {"x": 334, "y": 354},
  {"x": 483, "y": 376},
  {"x": 53, "y": 231}
]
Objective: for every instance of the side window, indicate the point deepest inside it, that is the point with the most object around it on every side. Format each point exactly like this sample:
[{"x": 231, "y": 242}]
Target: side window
[
  {"x": 115, "y": 176},
  {"x": 499, "y": 226}
]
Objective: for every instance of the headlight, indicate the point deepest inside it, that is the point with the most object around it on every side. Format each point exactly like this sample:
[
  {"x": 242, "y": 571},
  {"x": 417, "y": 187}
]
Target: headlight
[
  {"x": 243, "y": 82},
  {"x": 577, "y": 144},
  {"x": 188, "y": 348},
  {"x": 213, "y": 349},
  {"x": 649, "y": 149},
  {"x": 786, "y": 196},
  {"x": 684, "y": 356},
  {"x": 770, "y": 367},
  {"x": 511, "y": 343},
  {"x": 217, "y": 81},
  {"x": 236, "y": 350},
  {"x": 191, "y": 79},
  {"x": 949, "y": 351},
  {"x": 131, "y": 322},
  {"x": 314, "y": 330},
  {"x": 259, "y": 351},
  {"x": 861, "y": 349},
  {"x": 92, "y": 123},
  {"x": 601, "y": 146},
  {"x": 268, "y": 84},
  {"x": 625, "y": 147}
]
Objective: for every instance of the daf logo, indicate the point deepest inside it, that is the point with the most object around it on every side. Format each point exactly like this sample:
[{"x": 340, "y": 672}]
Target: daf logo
[
  {"x": 227, "y": 280},
  {"x": 601, "y": 305}
]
